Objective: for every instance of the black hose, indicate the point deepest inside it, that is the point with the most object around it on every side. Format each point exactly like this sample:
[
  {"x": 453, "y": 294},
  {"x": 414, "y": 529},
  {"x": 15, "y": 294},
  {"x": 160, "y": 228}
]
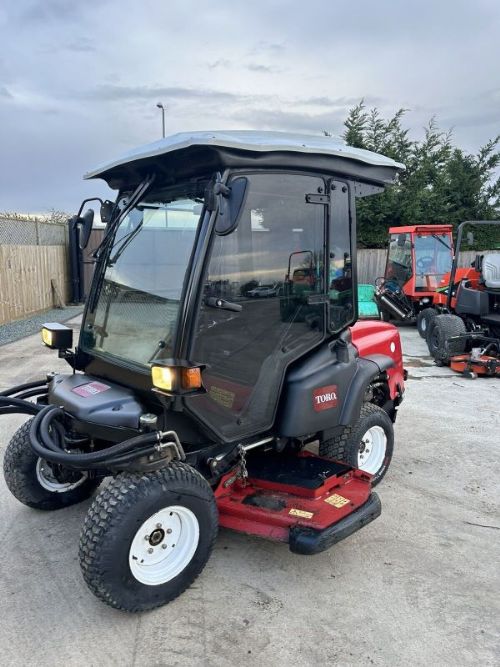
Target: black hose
[
  {"x": 24, "y": 406},
  {"x": 44, "y": 444},
  {"x": 32, "y": 392},
  {"x": 23, "y": 387},
  {"x": 47, "y": 438}
]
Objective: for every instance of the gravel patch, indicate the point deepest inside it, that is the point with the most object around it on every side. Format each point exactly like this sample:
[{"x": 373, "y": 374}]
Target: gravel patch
[{"x": 21, "y": 328}]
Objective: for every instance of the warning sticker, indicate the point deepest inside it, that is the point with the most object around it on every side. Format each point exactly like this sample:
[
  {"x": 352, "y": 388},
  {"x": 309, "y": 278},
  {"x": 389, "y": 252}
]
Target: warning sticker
[
  {"x": 336, "y": 500},
  {"x": 221, "y": 396},
  {"x": 90, "y": 389},
  {"x": 303, "y": 514}
]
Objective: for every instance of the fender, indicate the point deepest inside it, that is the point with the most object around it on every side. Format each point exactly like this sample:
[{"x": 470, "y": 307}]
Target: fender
[
  {"x": 368, "y": 368},
  {"x": 321, "y": 392}
]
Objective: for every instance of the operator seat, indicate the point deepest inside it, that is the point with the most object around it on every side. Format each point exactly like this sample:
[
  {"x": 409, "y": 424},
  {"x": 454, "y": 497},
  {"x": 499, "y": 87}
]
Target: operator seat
[{"x": 491, "y": 270}]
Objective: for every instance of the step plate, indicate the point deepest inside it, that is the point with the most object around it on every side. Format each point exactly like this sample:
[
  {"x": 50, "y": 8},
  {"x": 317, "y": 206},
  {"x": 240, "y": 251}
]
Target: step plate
[{"x": 271, "y": 509}]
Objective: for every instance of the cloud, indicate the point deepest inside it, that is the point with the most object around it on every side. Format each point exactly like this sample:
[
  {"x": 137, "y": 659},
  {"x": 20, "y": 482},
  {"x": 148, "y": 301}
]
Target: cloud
[
  {"x": 80, "y": 80},
  {"x": 256, "y": 67},
  {"x": 111, "y": 92}
]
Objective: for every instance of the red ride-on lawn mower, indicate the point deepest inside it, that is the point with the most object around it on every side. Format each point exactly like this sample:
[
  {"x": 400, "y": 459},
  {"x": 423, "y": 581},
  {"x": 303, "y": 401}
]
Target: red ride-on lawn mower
[
  {"x": 417, "y": 274},
  {"x": 200, "y": 402},
  {"x": 467, "y": 335}
]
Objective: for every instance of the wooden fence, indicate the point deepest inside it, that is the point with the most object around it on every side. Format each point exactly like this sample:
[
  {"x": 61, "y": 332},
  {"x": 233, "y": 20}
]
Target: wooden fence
[{"x": 30, "y": 276}]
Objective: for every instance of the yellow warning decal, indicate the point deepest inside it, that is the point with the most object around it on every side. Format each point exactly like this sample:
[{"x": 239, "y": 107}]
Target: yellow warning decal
[
  {"x": 301, "y": 513},
  {"x": 222, "y": 396},
  {"x": 336, "y": 500}
]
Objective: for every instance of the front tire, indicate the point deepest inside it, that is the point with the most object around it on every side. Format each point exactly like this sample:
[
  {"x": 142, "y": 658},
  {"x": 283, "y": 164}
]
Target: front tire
[
  {"x": 368, "y": 445},
  {"x": 37, "y": 484},
  {"x": 147, "y": 537}
]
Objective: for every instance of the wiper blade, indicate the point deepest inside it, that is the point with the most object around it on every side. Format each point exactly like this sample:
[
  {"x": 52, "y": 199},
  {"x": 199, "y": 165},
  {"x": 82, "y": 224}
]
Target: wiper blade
[
  {"x": 435, "y": 236},
  {"x": 125, "y": 241},
  {"x": 136, "y": 196}
]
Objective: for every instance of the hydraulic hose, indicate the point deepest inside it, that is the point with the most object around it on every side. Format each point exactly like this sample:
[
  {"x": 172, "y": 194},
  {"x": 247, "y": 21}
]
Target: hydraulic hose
[
  {"x": 46, "y": 440},
  {"x": 23, "y": 387}
]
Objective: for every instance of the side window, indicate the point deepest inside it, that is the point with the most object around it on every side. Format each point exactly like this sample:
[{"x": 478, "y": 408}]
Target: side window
[
  {"x": 399, "y": 264},
  {"x": 268, "y": 270},
  {"x": 340, "y": 267}
]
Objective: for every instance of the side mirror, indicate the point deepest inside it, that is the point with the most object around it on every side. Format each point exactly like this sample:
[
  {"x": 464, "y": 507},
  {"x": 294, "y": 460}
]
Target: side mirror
[
  {"x": 106, "y": 210},
  {"x": 231, "y": 201},
  {"x": 84, "y": 224}
]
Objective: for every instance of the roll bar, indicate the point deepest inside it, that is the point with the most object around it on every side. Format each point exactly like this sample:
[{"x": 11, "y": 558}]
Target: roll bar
[{"x": 456, "y": 252}]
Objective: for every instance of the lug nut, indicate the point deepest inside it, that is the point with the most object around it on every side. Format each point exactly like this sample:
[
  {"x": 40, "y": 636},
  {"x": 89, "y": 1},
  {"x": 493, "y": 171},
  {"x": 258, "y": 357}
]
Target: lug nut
[
  {"x": 164, "y": 546},
  {"x": 158, "y": 525},
  {"x": 169, "y": 530},
  {"x": 146, "y": 537},
  {"x": 150, "y": 550}
]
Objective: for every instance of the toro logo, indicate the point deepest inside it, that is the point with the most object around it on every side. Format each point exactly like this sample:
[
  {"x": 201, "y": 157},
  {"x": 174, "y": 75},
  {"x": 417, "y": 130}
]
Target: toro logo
[{"x": 325, "y": 398}]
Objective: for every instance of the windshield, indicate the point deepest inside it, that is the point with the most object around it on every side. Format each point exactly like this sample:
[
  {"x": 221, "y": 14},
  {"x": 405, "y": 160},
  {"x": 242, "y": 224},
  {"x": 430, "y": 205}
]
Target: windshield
[
  {"x": 137, "y": 307},
  {"x": 433, "y": 257}
]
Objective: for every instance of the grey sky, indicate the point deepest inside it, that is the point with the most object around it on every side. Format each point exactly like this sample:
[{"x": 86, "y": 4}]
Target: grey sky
[{"x": 79, "y": 80}]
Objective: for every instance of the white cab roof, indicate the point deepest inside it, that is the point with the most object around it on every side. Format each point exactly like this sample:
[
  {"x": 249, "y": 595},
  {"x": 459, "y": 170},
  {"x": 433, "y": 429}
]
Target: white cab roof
[{"x": 252, "y": 141}]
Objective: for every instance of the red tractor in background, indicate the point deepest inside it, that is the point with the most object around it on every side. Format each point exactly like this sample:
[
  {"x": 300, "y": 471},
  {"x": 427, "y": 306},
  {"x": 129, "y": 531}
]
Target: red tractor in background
[
  {"x": 465, "y": 332},
  {"x": 417, "y": 274}
]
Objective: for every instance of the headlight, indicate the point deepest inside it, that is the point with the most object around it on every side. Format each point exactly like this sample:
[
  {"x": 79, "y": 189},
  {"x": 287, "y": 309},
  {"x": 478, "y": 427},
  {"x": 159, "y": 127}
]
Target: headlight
[
  {"x": 178, "y": 378},
  {"x": 57, "y": 336},
  {"x": 163, "y": 378}
]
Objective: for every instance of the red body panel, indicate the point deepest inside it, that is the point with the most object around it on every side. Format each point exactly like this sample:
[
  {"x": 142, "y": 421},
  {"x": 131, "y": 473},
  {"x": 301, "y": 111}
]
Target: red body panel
[
  {"x": 376, "y": 337},
  {"x": 318, "y": 508}
]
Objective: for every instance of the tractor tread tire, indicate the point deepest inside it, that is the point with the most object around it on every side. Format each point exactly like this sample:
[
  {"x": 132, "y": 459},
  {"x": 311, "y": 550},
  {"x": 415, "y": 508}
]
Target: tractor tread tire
[
  {"x": 442, "y": 328},
  {"x": 19, "y": 469},
  {"x": 424, "y": 320},
  {"x": 110, "y": 509},
  {"x": 344, "y": 447}
]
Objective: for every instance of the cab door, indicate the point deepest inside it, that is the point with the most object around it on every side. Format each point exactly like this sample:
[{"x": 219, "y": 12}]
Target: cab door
[{"x": 264, "y": 303}]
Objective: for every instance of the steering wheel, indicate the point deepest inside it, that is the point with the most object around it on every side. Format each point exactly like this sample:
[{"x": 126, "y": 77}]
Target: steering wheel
[{"x": 424, "y": 263}]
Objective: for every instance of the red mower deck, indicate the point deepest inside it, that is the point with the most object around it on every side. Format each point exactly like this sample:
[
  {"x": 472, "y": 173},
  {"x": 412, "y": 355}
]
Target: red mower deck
[{"x": 305, "y": 500}]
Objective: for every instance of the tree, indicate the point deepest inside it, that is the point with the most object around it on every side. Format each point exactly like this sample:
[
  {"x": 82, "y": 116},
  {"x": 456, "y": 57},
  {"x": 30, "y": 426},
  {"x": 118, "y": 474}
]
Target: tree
[{"x": 441, "y": 183}]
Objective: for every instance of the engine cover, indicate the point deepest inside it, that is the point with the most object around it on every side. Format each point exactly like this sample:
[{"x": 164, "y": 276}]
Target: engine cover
[{"x": 89, "y": 399}]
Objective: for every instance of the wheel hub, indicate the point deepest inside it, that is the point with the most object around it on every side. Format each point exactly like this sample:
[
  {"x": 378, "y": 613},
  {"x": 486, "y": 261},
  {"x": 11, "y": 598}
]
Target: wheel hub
[
  {"x": 48, "y": 479},
  {"x": 164, "y": 545},
  {"x": 372, "y": 448},
  {"x": 156, "y": 537}
]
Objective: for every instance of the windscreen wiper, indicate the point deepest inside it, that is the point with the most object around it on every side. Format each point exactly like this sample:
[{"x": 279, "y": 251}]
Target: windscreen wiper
[
  {"x": 136, "y": 196},
  {"x": 435, "y": 236},
  {"x": 125, "y": 241}
]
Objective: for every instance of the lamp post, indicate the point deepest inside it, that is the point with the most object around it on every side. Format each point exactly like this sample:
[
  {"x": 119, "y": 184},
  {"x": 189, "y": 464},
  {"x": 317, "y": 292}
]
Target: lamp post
[{"x": 160, "y": 106}]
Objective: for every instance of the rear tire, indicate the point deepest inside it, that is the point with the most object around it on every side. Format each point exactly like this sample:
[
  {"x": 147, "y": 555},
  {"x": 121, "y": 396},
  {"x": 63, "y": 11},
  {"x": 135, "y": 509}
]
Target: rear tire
[
  {"x": 32, "y": 480},
  {"x": 424, "y": 319},
  {"x": 441, "y": 329},
  {"x": 147, "y": 537},
  {"x": 368, "y": 445}
]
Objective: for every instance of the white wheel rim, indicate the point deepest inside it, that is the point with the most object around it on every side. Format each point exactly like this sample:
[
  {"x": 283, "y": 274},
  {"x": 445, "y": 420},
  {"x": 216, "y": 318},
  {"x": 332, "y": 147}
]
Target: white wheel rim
[
  {"x": 371, "y": 453},
  {"x": 164, "y": 545},
  {"x": 49, "y": 482}
]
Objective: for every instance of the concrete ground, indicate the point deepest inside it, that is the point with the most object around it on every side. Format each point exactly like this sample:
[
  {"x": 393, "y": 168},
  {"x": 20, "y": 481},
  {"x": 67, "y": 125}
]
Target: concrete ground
[{"x": 419, "y": 586}]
